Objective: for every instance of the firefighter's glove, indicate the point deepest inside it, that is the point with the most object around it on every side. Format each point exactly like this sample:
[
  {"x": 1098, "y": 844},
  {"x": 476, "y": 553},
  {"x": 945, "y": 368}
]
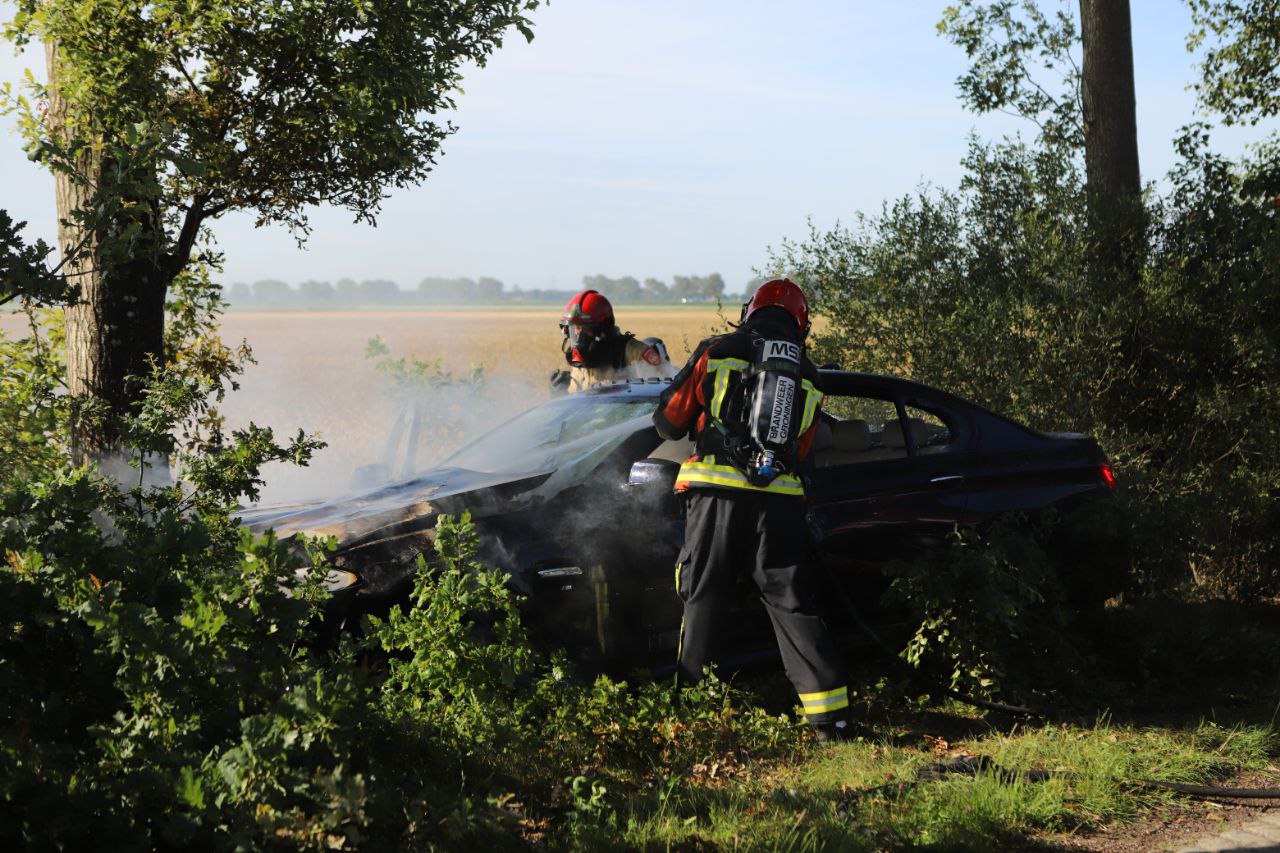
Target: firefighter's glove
[{"x": 559, "y": 382}]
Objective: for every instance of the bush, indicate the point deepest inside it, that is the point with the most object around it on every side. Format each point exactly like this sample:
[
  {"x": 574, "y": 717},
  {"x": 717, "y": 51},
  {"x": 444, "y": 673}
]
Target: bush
[
  {"x": 158, "y": 691},
  {"x": 984, "y": 291},
  {"x": 518, "y": 720}
]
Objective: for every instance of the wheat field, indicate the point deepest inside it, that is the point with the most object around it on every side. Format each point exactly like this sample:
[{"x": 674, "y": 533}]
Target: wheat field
[{"x": 311, "y": 373}]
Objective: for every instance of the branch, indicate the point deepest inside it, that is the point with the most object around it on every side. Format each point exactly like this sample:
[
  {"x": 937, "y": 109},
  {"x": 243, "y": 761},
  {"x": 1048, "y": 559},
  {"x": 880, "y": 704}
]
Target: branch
[
  {"x": 215, "y": 209},
  {"x": 191, "y": 223},
  {"x": 181, "y": 65}
]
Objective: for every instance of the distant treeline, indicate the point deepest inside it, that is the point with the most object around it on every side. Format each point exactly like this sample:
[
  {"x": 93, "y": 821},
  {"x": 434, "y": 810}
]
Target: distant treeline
[{"x": 435, "y": 291}]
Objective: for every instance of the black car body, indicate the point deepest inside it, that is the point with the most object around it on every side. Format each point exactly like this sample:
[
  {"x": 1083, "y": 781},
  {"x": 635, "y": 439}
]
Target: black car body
[{"x": 573, "y": 498}]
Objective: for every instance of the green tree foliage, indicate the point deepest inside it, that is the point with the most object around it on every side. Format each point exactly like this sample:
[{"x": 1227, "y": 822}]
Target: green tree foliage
[
  {"x": 1240, "y": 76},
  {"x": 489, "y": 289},
  {"x": 347, "y": 290},
  {"x": 1023, "y": 61},
  {"x": 159, "y": 117},
  {"x": 697, "y": 288},
  {"x": 655, "y": 289},
  {"x": 315, "y": 291},
  {"x": 435, "y": 289},
  {"x": 259, "y": 106},
  {"x": 162, "y": 689},
  {"x": 983, "y": 290},
  {"x": 24, "y": 269},
  {"x": 32, "y": 409},
  {"x": 625, "y": 289},
  {"x": 380, "y": 290},
  {"x": 270, "y": 290}
]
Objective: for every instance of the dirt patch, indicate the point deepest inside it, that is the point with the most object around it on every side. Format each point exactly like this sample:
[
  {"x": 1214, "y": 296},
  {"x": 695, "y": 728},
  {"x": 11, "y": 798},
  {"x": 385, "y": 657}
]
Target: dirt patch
[{"x": 1189, "y": 823}]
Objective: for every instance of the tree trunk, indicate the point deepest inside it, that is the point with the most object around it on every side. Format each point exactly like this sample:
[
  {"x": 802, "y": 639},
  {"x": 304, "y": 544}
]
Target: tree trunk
[
  {"x": 1113, "y": 181},
  {"x": 115, "y": 328}
]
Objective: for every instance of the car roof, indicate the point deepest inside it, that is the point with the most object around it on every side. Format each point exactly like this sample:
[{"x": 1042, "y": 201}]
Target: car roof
[
  {"x": 624, "y": 389},
  {"x": 652, "y": 387},
  {"x": 886, "y": 384}
]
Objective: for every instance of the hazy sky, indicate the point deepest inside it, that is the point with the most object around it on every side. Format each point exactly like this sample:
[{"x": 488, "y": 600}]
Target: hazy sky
[{"x": 663, "y": 137}]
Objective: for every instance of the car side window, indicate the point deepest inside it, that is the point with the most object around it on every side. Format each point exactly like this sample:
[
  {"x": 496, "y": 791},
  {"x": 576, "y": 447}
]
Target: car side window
[
  {"x": 857, "y": 429},
  {"x": 930, "y": 432}
]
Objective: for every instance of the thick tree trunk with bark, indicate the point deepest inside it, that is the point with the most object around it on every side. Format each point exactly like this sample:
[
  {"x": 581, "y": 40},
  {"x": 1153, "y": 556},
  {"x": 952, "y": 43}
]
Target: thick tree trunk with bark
[
  {"x": 115, "y": 329},
  {"x": 1114, "y": 183}
]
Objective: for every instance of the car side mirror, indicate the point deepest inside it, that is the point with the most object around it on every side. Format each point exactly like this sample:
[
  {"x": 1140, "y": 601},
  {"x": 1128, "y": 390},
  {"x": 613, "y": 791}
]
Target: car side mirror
[{"x": 654, "y": 474}]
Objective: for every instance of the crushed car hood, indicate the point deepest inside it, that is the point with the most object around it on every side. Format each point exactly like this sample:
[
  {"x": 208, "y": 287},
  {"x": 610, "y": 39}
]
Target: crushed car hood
[
  {"x": 409, "y": 504},
  {"x": 355, "y": 517}
]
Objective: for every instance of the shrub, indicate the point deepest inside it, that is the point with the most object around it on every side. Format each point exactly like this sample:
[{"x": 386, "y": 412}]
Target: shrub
[{"x": 983, "y": 291}]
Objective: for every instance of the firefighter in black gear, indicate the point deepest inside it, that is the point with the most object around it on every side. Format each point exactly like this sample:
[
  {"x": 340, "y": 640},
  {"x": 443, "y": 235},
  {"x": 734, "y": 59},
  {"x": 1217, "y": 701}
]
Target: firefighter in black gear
[
  {"x": 745, "y": 511},
  {"x": 596, "y": 351}
]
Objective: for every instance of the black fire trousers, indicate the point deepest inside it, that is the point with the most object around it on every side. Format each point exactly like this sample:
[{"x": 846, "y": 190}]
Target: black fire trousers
[{"x": 729, "y": 532}]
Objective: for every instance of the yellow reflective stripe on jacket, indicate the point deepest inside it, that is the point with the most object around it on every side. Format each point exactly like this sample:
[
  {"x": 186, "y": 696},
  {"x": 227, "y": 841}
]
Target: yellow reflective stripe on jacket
[
  {"x": 812, "y": 396},
  {"x": 722, "y": 368},
  {"x": 707, "y": 472},
  {"x": 825, "y": 702}
]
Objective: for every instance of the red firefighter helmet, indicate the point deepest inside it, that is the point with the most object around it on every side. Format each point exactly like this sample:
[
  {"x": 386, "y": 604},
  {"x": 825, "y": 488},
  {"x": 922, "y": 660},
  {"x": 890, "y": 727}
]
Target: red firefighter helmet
[
  {"x": 586, "y": 321},
  {"x": 782, "y": 293}
]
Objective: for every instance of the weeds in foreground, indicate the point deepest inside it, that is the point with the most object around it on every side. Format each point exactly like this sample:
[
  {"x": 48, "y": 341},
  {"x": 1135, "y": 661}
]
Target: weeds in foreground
[{"x": 862, "y": 795}]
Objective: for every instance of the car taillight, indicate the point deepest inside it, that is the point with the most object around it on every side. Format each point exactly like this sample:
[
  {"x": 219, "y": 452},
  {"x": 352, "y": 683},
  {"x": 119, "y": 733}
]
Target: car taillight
[{"x": 1108, "y": 476}]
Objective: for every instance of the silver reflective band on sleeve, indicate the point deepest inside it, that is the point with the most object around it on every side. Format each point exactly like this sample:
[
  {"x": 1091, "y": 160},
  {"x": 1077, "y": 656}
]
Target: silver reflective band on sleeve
[{"x": 560, "y": 572}]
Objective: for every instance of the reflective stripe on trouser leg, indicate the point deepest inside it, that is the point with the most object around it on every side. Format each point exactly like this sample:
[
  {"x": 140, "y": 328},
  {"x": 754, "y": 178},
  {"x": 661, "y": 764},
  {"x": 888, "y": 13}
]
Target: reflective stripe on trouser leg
[
  {"x": 814, "y": 663},
  {"x": 679, "y": 636},
  {"x": 825, "y": 702}
]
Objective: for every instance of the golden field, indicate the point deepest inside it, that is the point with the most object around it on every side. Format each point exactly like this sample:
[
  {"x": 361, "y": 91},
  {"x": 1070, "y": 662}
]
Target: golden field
[{"x": 312, "y": 374}]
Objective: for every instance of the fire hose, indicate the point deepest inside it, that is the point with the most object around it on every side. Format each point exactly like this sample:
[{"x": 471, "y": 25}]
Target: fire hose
[{"x": 979, "y": 765}]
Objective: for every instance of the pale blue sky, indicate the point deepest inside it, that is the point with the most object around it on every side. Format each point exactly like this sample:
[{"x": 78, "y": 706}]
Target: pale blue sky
[{"x": 663, "y": 137}]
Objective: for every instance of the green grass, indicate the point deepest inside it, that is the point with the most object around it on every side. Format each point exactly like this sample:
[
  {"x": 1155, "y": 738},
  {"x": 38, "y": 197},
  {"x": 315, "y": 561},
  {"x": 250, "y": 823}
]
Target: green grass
[{"x": 812, "y": 803}]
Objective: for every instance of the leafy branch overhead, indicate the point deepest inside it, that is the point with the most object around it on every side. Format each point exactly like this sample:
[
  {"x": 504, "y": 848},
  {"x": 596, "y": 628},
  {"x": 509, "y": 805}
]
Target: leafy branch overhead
[
  {"x": 24, "y": 271},
  {"x": 263, "y": 106},
  {"x": 1240, "y": 76},
  {"x": 1023, "y": 61}
]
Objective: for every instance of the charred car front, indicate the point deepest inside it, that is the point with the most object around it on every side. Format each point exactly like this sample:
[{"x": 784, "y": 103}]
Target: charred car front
[{"x": 574, "y": 499}]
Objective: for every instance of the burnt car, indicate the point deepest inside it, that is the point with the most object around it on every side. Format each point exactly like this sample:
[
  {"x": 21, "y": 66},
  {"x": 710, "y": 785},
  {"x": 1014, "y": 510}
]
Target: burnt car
[{"x": 574, "y": 499}]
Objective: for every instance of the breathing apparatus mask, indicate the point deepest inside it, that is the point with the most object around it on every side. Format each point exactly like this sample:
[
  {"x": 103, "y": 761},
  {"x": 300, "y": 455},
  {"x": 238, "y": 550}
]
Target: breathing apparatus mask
[{"x": 581, "y": 340}]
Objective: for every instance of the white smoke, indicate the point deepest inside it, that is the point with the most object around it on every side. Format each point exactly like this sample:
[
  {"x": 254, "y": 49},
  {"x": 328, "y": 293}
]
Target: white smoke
[{"x": 312, "y": 374}]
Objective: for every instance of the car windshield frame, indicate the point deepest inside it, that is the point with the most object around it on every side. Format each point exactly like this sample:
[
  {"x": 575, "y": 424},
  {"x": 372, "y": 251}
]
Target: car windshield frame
[{"x": 548, "y": 436}]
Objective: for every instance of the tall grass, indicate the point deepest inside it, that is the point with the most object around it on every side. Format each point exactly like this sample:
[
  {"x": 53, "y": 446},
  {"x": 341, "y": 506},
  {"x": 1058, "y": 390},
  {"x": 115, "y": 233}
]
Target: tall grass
[{"x": 818, "y": 803}]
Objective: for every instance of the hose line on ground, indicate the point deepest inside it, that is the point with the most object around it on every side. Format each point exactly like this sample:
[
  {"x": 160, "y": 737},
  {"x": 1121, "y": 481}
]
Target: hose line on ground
[{"x": 973, "y": 765}]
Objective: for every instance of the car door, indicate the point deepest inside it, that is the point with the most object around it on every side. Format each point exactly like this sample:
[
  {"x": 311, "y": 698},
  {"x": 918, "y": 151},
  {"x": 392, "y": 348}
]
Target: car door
[{"x": 887, "y": 476}]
